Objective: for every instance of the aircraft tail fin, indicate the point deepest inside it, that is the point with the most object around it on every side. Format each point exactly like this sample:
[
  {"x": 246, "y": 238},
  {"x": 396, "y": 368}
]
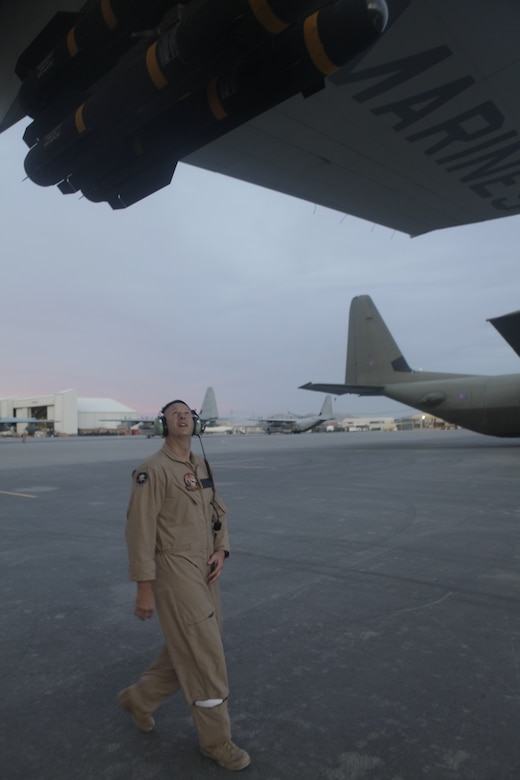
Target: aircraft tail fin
[
  {"x": 373, "y": 357},
  {"x": 326, "y": 410},
  {"x": 208, "y": 410},
  {"x": 374, "y": 361}
]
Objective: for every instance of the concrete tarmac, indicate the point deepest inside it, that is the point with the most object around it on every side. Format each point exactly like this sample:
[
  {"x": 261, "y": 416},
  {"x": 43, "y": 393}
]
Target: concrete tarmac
[{"x": 371, "y": 601}]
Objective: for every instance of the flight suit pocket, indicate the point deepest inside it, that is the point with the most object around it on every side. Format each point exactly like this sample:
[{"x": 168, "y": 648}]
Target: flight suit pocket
[
  {"x": 174, "y": 549},
  {"x": 194, "y": 622}
]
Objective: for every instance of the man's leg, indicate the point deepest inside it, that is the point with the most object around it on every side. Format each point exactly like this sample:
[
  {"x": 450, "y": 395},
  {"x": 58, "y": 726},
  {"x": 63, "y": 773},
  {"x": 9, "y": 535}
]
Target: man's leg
[
  {"x": 192, "y": 633},
  {"x": 158, "y": 682}
]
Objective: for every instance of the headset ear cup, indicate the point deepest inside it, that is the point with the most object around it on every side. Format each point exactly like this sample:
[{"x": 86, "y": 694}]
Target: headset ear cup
[
  {"x": 198, "y": 427},
  {"x": 160, "y": 426}
]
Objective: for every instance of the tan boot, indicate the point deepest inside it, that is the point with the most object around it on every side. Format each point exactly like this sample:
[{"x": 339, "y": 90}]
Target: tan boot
[
  {"x": 227, "y": 755},
  {"x": 143, "y": 720}
]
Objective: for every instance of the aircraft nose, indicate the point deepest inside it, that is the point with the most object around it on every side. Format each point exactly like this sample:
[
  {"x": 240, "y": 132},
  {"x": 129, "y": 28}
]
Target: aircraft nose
[{"x": 378, "y": 10}]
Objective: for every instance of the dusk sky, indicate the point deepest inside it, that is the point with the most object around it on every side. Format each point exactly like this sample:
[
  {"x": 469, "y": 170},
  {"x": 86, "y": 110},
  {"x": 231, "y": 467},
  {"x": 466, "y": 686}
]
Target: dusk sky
[{"x": 215, "y": 282}]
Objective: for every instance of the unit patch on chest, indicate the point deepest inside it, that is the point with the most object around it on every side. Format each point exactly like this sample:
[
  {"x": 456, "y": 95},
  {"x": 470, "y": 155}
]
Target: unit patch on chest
[{"x": 191, "y": 482}]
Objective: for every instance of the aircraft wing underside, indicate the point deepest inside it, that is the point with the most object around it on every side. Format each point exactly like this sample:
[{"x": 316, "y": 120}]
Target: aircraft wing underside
[{"x": 422, "y": 133}]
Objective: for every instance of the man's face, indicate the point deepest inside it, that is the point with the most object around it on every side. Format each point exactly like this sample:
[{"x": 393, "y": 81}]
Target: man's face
[{"x": 179, "y": 420}]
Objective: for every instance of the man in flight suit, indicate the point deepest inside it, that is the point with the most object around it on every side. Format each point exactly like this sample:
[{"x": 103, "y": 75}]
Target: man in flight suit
[{"x": 177, "y": 541}]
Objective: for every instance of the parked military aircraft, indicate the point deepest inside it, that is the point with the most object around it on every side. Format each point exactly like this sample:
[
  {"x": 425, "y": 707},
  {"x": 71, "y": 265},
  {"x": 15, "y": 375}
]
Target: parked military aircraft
[
  {"x": 417, "y": 128},
  {"x": 289, "y": 424},
  {"x": 298, "y": 424},
  {"x": 144, "y": 424},
  {"x": 33, "y": 423},
  {"x": 376, "y": 366},
  {"x": 209, "y": 415}
]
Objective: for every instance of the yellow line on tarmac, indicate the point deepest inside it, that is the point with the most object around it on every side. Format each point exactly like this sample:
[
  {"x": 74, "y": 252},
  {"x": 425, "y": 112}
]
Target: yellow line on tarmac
[{"x": 22, "y": 495}]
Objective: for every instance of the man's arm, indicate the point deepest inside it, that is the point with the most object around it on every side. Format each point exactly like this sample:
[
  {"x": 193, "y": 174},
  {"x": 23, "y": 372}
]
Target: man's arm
[
  {"x": 216, "y": 563},
  {"x": 145, "y": 502},
  {"x": 144, "y": 600},
  {"x": 140, "y": 532}
]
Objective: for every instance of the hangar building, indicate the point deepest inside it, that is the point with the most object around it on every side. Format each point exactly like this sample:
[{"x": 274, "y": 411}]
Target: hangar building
[{"x": 70, "y": 415}]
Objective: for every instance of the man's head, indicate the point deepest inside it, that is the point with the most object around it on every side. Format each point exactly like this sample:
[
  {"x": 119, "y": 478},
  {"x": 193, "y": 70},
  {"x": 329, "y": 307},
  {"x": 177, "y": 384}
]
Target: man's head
[{"x": 177, "y": 419}]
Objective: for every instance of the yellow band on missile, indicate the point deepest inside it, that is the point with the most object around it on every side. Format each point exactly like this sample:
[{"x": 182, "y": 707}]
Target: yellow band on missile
[
  {"x": 78, "y": 118},
  {"x": 266, "y": 17},
  {"x": 153, "y": 67},
  {"x": 217, "y": 109},
  {"x": 108, "y": 14},
  {"x": 72, "y": 46},
  {"x": 315, "y": 47}
]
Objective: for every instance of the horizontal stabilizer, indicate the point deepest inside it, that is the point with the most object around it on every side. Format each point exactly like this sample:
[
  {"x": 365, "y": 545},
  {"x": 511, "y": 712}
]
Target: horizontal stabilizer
[{"x": 343, "y": 389}]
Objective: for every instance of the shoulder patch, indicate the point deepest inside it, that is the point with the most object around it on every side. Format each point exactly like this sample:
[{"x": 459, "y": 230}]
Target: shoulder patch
[{"x": 141, "y": 478}]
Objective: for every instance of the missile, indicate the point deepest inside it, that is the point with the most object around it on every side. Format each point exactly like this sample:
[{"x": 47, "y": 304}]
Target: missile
[
  {"x": 125, "y": 141},
  {"x": 187, "y": 41},
  {"x": 84, "y": 52},
  {"x": 146, "y": 161},
  {"x": 151, "y": 78}
]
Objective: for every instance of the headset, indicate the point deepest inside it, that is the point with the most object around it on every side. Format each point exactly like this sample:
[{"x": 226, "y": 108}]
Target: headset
[{"x": 161, "y": 426}]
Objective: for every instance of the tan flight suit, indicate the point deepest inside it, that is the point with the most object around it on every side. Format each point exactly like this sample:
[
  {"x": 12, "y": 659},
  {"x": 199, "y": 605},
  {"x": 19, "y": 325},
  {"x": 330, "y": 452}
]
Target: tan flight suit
[{"x": 170, "y": 538}]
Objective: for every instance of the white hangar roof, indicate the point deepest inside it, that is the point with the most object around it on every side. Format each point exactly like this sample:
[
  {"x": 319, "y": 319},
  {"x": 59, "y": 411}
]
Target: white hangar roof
[{"x": 102, "y": 405}]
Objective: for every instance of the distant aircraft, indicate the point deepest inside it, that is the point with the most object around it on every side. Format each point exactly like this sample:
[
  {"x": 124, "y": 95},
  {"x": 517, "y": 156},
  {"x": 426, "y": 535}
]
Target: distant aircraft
[
  {"x": 376, "y": 366},
  {"x": 209, "y": 415},
  {"x": 298, "y": 424},
  {"x": 410, "y": 121},
  {"x": 212, "y": 423},
  {"x": 7, "y": 423},
  {"x": 144, "y": 424},
  {"x": 209, "y": 410}
]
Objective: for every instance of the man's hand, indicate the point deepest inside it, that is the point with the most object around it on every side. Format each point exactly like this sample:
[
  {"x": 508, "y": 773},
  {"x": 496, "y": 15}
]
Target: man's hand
[
  {"x": 216, "y": 563},
  {"x": 144, "y": 601}
]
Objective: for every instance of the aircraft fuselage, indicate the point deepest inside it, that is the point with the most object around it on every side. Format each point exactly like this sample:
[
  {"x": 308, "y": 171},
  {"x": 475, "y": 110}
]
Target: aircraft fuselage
[{"x": 484, "y": 404}]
